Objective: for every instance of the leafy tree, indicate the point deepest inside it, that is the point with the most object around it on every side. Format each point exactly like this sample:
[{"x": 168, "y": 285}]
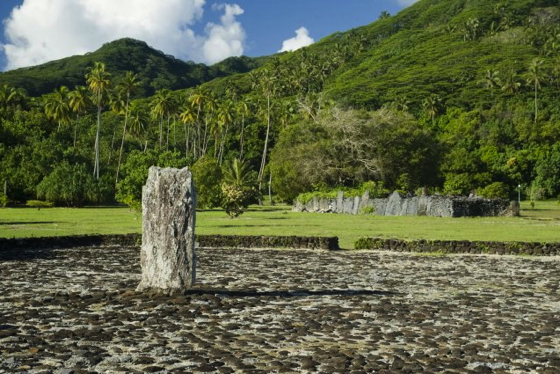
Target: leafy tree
[
  {"x": 67, "y": 185},
  {"x": 135, "y": 170},
  {"x": 348, "y": 147},
  {"x": 207, "y": 175},
  {"x": 496, "y": 190},
  {"x": 548, "y": 170}
]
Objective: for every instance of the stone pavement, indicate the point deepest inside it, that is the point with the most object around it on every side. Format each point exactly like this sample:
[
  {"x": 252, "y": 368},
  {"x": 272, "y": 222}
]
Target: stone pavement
[{"x": 281, "y": 311}]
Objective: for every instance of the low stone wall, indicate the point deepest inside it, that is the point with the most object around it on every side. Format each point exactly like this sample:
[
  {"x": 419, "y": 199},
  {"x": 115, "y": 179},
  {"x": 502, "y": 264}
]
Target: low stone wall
[
  {"x": 237, "y": 241},
  {"x": 24, "y": 247},
  {"x": 460, "y": 246},
  {"x": 396, "y": 205}
]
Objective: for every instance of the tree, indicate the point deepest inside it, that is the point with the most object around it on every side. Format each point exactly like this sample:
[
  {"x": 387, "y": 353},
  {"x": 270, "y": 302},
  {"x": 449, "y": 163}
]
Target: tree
[
  {"x": 79, "y": 102},
  {"x": 431, "y": 105},
  {"x": 127, "y": 87},
  {"x": 348, "y": 147},
  {"x": 57, "y": 106},
  {"x": 225, "y": 119},
  {"x": 492, "y": 80},
  {"x": 238, "y": 188},
  {"x": 11, "y": 97},
  {"x": 207, "y": 176},
  {"x": 384, "y": 15},
  {"x": 99, "y": 81},
  {"x": 510, "y": 85},
  {"x": 67, "y": 185},
  {"x": 163, "y": 105},
  {"x": 137, "y": 121},
  {"x": 242, "y": 109},
  {"x": 534, "y": 78},
  {"x": 135, "y": 172},
  {"x": 187, "y": 115},
  {"x": 265, "y": 82}
]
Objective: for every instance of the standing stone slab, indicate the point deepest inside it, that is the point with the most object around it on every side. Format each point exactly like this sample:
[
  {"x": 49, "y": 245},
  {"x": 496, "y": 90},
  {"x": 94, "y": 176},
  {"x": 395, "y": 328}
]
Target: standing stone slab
[{"x": 168, "y": 255}]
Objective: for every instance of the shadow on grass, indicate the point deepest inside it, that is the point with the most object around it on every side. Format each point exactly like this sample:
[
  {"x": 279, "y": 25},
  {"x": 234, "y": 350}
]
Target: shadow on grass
[
  {"x": 26, "y": 222},
  {"x": 288, "y": 294},
  {"x": 261, "y": 225}
]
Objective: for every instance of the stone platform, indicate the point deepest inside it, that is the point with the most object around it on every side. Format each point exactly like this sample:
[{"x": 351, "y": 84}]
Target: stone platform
[{"x": 281, "y": 311}]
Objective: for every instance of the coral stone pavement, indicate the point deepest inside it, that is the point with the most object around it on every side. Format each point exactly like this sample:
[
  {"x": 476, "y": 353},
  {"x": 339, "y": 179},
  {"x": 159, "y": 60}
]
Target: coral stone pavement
[{"x": 291, "y": 311}]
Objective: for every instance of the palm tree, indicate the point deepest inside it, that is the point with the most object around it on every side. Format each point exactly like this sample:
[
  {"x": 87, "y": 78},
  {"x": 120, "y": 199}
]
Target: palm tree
[
  {"x": 57, "y": 106},
  {"x": 242, "y": 109},
  {"x": 238, "y": 187},
  {"x": 163, "y": 105},
  {"x": 187, "y": 115},
  {"x": 266, "y": 83},
  {"x": 198, "y": 100},
  {"x": 534, "y": 76},
  {"x": 431, "y": 106},
  {"x": 492, "y": 80},
  {"x": 99, "y": 81},
  {"x": 510, "y": 85},
  {"x": 79, "y": 103},
  {"x": 384, "y": 15},
  {"x": 225, "y": 118},
  {"x": 137, "y": 121},
  {"x": 128, "y": 86},
  {"x": 11, "y": 97}
]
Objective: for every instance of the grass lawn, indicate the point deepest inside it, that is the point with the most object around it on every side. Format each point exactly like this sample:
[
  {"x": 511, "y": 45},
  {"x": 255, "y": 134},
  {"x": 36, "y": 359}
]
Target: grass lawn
[{"x": 541, "y": 224}]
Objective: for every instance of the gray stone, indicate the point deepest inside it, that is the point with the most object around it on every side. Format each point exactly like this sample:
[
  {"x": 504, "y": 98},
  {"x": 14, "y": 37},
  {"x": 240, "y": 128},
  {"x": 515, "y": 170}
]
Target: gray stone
[
  {"x": 397, "y": 205},
  {"x": 168, "y": 255}
]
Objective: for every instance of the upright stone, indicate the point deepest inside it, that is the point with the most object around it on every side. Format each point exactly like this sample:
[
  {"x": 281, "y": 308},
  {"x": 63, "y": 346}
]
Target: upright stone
[{"x": 168, "y": 255}]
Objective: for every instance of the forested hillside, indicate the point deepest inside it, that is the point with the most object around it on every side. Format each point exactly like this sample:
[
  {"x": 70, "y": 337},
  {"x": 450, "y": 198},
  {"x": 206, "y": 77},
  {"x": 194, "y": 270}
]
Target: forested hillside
[
  {"x": 453, "y": 96},
  {"x": 155, "y": 70}
]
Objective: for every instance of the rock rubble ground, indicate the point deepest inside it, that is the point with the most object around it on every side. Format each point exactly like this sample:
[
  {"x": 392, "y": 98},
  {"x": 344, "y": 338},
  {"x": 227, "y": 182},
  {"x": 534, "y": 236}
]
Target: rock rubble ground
[{"x": 281, "y": 311}]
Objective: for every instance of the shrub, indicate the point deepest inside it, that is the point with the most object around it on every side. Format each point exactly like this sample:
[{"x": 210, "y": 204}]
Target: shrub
[
  {"x": 207, "y": 176},
  {"x": 368, "y": 210},
  {"x": 68, "y": 185},
  {"x": 496, "y": 190},
  {"x": 3, "y": 200},
  {"x": 39, "y": 204}
]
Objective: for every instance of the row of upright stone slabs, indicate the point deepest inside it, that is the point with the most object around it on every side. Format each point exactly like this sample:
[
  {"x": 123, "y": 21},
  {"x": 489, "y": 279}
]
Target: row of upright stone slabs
[{"x": 168, "y": 257}]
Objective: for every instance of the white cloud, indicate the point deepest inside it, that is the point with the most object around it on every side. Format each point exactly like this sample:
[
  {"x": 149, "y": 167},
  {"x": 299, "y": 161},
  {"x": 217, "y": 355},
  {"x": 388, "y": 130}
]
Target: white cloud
[
  {"x": 406, "y": 2},
  {"x": 40, "y": 31},
  {"x": 302, "y": 39},
  {"x": 226, "y": 39}
]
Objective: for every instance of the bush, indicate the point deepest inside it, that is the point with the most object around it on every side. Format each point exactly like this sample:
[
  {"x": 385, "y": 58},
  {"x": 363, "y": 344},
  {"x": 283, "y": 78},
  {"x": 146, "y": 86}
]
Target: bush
[
  {"x": 3, "y": 200},
  {"x": 239, "y": 188},
  {"x": 68, "y": 185},
  {"x": 39, "y": 204},
  {"x": 207, "y": 176},
  {"x": 496, "y": 190},
  {"x": 457, "y": 184},
  {"x": 135, "y": 171}
]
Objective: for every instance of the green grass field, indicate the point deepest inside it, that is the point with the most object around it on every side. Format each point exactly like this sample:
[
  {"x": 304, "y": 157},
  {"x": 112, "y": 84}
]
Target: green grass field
[{"x": 541, "y": 224}]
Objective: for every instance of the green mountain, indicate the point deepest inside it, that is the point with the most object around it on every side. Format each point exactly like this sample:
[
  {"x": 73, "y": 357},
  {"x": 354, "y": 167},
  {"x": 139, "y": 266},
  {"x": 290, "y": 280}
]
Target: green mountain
[
  {"x": 456, "y": 96},
  {"x": 444, "y": 48},
  {"x": 156, "y": 70}
]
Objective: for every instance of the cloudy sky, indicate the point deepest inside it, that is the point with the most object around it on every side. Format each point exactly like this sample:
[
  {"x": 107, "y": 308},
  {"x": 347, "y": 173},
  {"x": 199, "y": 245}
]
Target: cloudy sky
[{"x": 36, "y": 31}]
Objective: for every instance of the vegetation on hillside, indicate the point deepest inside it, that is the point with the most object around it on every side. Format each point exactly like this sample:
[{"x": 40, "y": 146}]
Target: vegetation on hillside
[
  {"x": 456, "y": 96},
  {"x": 155, "y": 69}
]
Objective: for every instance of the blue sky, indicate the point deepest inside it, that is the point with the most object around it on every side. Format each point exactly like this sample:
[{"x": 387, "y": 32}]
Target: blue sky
[{"x": 36, "y": 31}]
